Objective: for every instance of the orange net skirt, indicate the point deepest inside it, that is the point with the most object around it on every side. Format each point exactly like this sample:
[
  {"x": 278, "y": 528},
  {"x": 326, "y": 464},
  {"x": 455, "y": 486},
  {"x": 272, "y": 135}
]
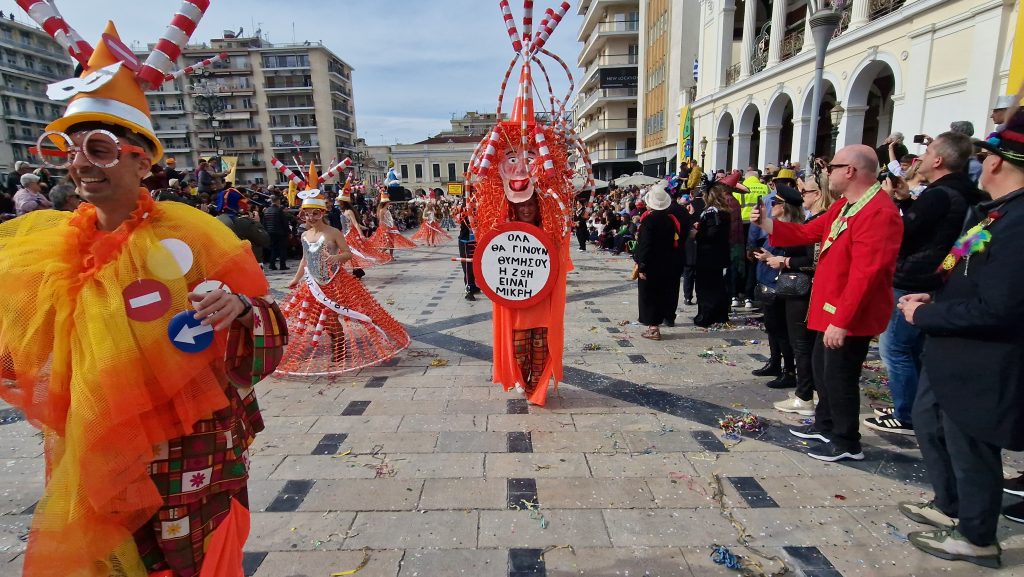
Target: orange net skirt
[
  {"x": 385, "y": 238},
  {"x": 337, "y": 327},
  {"x": 431, "y": 234},
  {"x": 364, "y": 253}
]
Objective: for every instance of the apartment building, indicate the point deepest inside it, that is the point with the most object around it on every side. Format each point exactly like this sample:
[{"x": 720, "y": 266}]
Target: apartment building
[
  {"x": 292, "y": 101},
  {"x": 666, "y": 85},
  {"x": 29, "y": 60},
  {"x": 606, "y": 109},
  {"x": 893, "y": 65}
]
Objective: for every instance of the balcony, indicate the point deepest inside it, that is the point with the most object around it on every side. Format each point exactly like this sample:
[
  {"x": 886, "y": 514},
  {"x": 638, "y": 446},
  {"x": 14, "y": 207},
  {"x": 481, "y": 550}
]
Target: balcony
[
  {"x": 281, "y": 89},
  {"x": 595, "y": 8},
  {"x": 732, "y": 74},
  {"x": 289, "y": 106},
  {"x": 613, "y": 155},
  {"x": 609, "y": 125},
  {"x": 170, "y": 130},
  {"x": 295, "y": 127},
  {"x": 174, "y": 109},
  {"x": 607, "y": 95},
  {"x": 604, "y": 31},
  {"x": 593, "y": 71},
  {"x": 297, "y": 144}
]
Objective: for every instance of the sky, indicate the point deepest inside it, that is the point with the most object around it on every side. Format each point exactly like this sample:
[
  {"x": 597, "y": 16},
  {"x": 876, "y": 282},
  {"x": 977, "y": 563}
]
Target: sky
[{"x": 417, "y": 62}]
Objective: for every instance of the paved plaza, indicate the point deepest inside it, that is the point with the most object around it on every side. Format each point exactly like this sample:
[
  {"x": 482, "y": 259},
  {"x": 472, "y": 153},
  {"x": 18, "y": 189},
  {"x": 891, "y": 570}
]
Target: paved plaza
[{"x": 423, "y": 468}]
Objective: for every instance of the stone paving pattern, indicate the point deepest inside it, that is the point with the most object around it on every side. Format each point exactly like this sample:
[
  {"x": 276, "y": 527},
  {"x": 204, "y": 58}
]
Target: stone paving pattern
[{"x": 430, "y": 470}]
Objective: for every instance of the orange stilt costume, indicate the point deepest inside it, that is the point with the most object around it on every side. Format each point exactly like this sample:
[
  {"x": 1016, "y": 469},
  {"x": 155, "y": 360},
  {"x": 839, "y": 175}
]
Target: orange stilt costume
[
  {"x": 147, "y": 414},
  {"x": 387, "y": 237},
  {"x": 520, "y": 174},
  {"x": 335, "y": 325}
]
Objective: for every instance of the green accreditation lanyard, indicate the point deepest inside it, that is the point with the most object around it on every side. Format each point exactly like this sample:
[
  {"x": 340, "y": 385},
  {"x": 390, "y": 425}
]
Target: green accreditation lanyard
[{"x": 840, "y": 224}]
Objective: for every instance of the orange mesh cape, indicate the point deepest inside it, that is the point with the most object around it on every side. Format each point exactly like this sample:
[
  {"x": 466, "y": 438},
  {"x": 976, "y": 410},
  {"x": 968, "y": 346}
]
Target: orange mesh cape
[
  {"x": 491, "y": 208},
  {"x": 104, "y": 388}
]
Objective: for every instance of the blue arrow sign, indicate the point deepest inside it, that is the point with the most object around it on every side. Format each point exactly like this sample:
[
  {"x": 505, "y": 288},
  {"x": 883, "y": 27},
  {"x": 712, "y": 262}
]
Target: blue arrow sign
[{"x": 188, "y": 334}]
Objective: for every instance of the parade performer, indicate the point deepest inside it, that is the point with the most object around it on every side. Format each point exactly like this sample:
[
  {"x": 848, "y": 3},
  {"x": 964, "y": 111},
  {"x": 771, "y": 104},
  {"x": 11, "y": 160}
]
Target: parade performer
[
  {"x": 521, "y": 174},
  {"x": 467, "y": 248},
  {"x": 364, "y": 253},
  {"x": 329, "y": 303},
  {"x": 430, "y": 232},
  {"x": 132, "y": 333},
  {"x": 387, "y": 237},
  {"x": 392, "y": 182}
]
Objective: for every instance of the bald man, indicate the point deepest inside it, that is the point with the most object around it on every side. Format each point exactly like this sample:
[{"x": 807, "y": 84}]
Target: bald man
[{"x": 852, "y": 300}]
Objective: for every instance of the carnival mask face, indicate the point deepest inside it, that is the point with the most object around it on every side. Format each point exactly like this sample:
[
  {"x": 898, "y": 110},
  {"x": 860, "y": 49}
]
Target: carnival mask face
[{"x": 515, "y": 170}]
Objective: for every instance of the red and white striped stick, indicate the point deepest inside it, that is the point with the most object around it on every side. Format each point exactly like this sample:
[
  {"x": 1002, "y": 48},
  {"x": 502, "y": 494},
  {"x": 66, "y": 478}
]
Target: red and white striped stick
[
  {"x": 554, "y": 17},
  {"x": 334, "y": 170},
  {"x": 527, "y": 21},
  {"x": 489, "y": 152},
  {"x": 46, "y": 15},
  {"x": 167, "y": 50},
  {"x": 197, "y": 66},
  {"x": 318, "y": 331},
  {"x": 287, "y": 172},
  {"x": 510, "y": 24},
  {"x": 543, "y": 152}
]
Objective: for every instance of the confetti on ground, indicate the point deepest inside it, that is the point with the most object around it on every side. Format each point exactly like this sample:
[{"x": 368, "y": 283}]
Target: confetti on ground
[
  {"x": 736, "y": 425},
  {"x": 840, "y": 497},
  {"x": 389, "y": 301},
  {"x": 439, "y": 363},
  {"x": 895, "y": 533},
  {"x": 362, "y": 565},
  {"x": 591, "y": 347},
  {"x": 711, "y": 357}
]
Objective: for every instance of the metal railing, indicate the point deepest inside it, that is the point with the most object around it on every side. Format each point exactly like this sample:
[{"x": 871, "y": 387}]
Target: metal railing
[
  {"x": 880, "y": 8},
  {"x": 619, "y": 26},
  {"x": 792, "y": 44},
  {"x": 732, "y": 74},
  {"x": 604, "y": 154},
  {"x": 844, "y": 21}
]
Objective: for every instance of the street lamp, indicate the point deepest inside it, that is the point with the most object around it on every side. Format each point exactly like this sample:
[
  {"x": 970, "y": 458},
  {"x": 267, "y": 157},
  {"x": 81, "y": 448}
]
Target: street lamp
[
  {"x": 837, "y": 117},
  {"x": 208, "y": 101},
  {"x": 703, "y": 150},
  {"x": 823, "y": 23}
]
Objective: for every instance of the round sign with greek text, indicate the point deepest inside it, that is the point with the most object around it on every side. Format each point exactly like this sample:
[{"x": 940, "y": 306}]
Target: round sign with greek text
[{"x": 516, "y": 265}]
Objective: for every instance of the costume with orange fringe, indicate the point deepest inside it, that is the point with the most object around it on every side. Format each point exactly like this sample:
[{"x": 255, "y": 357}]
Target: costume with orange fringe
[
  {"x": 365, "y": 253},
  {"x": 146, "y": 414},
  {"x": 518, "y": 161},
  {"x": 387, "y": 237},
  {"x": 430, "y": 233},
  {"x": 334, "y": 324}
]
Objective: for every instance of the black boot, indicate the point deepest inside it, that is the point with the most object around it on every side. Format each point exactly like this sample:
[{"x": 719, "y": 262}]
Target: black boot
[
  {"x": 785, "y": 381},
  {"x": 772, "y": 368}
]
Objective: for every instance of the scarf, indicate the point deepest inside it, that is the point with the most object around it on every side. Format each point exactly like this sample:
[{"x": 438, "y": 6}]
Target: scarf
[{"x": 840, "y": 224}]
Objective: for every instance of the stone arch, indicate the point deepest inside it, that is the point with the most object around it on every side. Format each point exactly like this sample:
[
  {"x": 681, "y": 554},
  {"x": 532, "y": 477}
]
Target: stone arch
[
  {"x": 748, "y": 137},
  {"x": 779, "y": 128},
  {"x": 869, "y": 99},
  {"x": 722, "y": 153},
  {"x": 829, "y": 97}
]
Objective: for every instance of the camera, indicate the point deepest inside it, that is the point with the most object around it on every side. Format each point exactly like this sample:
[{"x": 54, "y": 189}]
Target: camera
[{"x": 918, "y": 139}]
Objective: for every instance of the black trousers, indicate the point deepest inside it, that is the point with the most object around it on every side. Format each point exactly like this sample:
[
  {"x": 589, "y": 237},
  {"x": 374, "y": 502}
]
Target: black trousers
[
  {"x": 778, "y": 333},
  {"x": 838, "y": 373},
  {"x": 965, "y": 472},
  {"x": 712, "y": 297},
  {"x": 466, "y": 250},
  {"x": 658, "y": 297},
  {"x": 582, "y": 235},
  {"x": 688, "y": 282},
  {"x": 278, "y": 249},
  {"x": 802, "y": 340}
]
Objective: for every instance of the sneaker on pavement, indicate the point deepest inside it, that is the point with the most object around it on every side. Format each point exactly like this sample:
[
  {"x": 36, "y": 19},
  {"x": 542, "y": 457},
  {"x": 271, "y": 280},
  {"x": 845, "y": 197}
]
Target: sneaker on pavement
[
  {"x": 1014, "y": 512},
  {"x": 832, "y": 453},
  {"x": 889, "y": 424},
  {"x": 748, "y": 304},
  {"x": 735, "y": 302},
  {"x": 809, "y": 432},
  {"x": 795, "y": 405},
  {"x": 927, "y": 513},
  {"x": 949, "y": 544},
  {"x": 1014, "y": 486}
]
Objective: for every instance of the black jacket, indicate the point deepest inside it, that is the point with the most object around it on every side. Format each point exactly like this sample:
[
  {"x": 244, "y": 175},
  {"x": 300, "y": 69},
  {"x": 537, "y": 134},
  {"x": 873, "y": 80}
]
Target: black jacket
[
  {"x": 658, "y": 250},
  {"x": 275, "y": 221},
  {"x": 713, "y": 239},
  {"x": 931, "y": 225},
  {"x": 974, "y": 354}
]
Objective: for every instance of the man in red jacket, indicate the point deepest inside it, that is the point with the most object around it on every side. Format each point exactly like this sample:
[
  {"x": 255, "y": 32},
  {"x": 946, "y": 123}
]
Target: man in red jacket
[{"x": 851, "y": 300}]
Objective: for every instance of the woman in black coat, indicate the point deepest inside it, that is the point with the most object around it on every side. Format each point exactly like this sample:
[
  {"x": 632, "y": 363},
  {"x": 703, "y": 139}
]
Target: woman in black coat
[
  {"x": 659, "y": 263},
  {"x": 712, "y": 258}
]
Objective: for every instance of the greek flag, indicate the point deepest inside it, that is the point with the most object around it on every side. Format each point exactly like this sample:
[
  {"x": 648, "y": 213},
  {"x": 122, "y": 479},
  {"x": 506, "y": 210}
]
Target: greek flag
[{"x": 696, "y": 69}]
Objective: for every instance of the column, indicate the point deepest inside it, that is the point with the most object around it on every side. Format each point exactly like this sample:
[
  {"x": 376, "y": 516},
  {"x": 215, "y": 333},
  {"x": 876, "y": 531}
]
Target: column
[
  {"x": 749, "y": 31},
  {"x": 778, "y": 32},
  {"x": 801, "y": 132},
  {"x": 859, "y": 13},
  {"x": 719, "y": 154},
  {"x": 770, "y": 144},
  {"x": 741, "y": 146},
  {"x": 983, "y": 72},
  {"x": 851, "y": 129},
  {"x": 723, "y": 29},
  {"x": 808, "y": 38}
]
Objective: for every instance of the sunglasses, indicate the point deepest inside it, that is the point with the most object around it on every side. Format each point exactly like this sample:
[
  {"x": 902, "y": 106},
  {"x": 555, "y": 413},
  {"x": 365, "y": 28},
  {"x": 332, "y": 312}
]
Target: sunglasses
[
  {"x": 832, "y": 167},
  {"x": 981, "y": 156}
]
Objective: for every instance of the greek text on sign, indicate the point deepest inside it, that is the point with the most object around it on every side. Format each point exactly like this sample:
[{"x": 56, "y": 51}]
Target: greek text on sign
[{"x": 516, "y": 264}]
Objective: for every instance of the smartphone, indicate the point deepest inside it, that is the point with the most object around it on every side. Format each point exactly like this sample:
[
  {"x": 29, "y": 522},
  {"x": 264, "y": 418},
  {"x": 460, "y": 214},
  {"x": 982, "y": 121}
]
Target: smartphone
[{"x": 918, "y": 139}]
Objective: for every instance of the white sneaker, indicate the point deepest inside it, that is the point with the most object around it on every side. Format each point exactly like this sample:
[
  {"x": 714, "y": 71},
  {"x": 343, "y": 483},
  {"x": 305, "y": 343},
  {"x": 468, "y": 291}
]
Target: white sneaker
[
  {"x": 735, "y": 302},
  {"x": 795, "y": 405},
  {"x": 748, "y": 304}
]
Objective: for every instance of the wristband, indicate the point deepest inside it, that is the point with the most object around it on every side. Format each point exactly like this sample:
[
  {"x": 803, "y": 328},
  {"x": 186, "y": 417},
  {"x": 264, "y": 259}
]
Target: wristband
[{"x": 245, "y": 303}]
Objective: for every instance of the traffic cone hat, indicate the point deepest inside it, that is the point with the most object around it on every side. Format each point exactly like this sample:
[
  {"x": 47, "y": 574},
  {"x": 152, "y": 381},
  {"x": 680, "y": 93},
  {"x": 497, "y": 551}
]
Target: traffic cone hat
[
  {"x": 312, "y": 197},
  {"x": 107, "y": 92}
]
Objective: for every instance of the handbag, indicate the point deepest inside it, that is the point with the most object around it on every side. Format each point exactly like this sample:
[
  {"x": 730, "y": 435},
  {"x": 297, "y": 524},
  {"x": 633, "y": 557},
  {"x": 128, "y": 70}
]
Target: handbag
[
  {"x": 765, "y": 293},
  {"x": 793, "y": 284}
]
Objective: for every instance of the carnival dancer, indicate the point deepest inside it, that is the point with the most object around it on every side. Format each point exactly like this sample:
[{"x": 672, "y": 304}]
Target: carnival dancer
[
  {"x": 132, "y": 333},
  {"x": 447, "y": 220},
  {"x": 521, "y": 175},
  {"x": 467, "y": 248},
  {"x": 430, "y": 232},
  {"x": 387, "y": 237},
  {"x": 330, "y": 304},
  {"x": 364, "y": 254}
]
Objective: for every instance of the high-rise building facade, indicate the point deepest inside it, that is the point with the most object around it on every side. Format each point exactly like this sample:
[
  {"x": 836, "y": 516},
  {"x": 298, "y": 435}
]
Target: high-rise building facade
[
  {"x": 29, "y": 60},
  {"x": 292, "y": 101},
  {"x": 605, "y": 111}
]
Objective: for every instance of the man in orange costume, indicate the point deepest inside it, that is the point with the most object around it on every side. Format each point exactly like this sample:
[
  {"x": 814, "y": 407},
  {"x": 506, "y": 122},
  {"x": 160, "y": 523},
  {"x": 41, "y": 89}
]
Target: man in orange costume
[{"x": 131, "y": 334}]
